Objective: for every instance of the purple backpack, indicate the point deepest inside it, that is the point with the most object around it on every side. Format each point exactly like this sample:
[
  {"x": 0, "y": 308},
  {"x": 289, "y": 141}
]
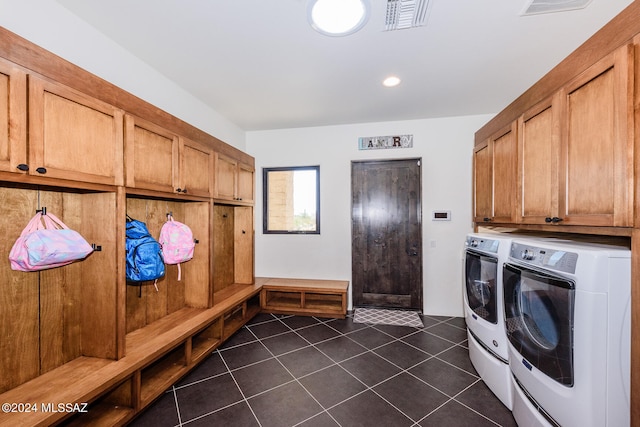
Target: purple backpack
[{"x": 176, "y": 240}]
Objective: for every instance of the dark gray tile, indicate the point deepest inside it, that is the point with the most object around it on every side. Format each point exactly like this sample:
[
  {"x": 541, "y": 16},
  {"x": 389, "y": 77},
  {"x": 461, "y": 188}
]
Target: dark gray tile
[
  {"x": 454, "y": 414},
  {"x": 427, "y": 342},
  {"x": 345, "y": 325},
  {"x": 410, "y": 395},
  {"x": 297, "y": 322},
  {"x": 287, "y": 405},
  {"x": 237, "y": 415},
  {"x": 242, "y": 336},
  {"x": 210, "y": 367},
  {"x": 321, "y": 420},
  {"x": 368, "y": 409},
  {"x": 449, "y": 332},
  {"x": 162, "y": 413},
  {"x": 402, "y": 354},
  {"x": 446, "y": 378},
  {"x": 458, "y": 356},
  {"x": 370, "y": 368},
  {"x": 305, "y": 361},
  {"x": 480, "y": 398},
  {"x": 458, "y": 321},
  {"x": 207, "y": 396},
  {"x": 317, "y": 333},
  {"x": 268, "y": 329},
  {"x": 370, "y": 338},
  {"x": 341, "y": 348},
  {"x": 244, "y": 355},
  {"x": 261, "y": 376},
  {"x": 396, "y": 331},
  {"x": 284, "y": 343},
  {"x": 331, "y": 385}
]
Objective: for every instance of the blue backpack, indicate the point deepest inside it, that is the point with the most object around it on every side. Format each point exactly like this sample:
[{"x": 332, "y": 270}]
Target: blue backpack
[{"x": 144, "y": 254}]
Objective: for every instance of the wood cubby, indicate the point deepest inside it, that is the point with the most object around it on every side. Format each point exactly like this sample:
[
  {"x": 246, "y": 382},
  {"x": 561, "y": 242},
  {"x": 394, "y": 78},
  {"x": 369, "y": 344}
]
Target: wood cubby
[{"x": 322, "y": 298}]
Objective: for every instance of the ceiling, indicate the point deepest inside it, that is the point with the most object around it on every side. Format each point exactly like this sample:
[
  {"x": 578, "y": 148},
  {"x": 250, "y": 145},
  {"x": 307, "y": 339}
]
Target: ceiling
[{"x": 261, "y": 65}]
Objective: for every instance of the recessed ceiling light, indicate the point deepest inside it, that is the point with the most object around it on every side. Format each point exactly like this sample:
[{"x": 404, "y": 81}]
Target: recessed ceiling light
[
  {"x": 338, "y": 17},
  {"x": 391, "y": 81}
]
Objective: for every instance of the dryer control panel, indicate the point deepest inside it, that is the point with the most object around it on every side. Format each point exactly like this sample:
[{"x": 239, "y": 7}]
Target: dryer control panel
[
  {"x": 482, "y": 244},
  {"x": 550, "y": 259}
]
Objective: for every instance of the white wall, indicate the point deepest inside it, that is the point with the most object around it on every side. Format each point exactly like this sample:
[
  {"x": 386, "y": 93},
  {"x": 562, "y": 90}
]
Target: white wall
[
  {"x": 445, "y": 146},
  {"x": 49, "y": 25}
]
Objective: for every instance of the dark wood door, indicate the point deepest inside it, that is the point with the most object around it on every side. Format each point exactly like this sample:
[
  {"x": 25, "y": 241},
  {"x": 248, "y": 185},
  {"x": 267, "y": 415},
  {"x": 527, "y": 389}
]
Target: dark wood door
[{"x": 386, "y": 234}]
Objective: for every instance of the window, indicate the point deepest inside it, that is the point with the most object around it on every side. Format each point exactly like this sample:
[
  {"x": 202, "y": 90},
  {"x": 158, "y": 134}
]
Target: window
[{"x": 291, "y": 200}]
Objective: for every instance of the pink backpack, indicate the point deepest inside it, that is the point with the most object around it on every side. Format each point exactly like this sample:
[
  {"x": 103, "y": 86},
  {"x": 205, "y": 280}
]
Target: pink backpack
[{"x": 176, "y": 240}]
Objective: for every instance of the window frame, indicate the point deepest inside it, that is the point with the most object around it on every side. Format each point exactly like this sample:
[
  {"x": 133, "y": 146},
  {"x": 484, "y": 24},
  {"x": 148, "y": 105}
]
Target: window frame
[{"x": 265, "y": 198}]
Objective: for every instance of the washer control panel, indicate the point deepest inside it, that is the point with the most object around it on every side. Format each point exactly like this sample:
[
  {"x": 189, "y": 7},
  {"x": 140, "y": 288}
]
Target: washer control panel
[
  {"x": 551, "y": 259},
  {"x": 482, "y": 244}
]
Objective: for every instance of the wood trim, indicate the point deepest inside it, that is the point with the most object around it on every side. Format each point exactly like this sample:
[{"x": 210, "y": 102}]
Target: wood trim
[
  {"x": 620, "y": 30},
  {"x": 34, "y": 58}
]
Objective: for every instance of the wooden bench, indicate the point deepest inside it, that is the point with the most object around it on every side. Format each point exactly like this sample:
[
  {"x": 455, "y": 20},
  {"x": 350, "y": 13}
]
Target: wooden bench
[{"x": 321, "y": 298}]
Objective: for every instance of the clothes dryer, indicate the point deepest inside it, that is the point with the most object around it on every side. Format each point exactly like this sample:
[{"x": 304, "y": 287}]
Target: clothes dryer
[
  {"x": 567, "y": 318},
  {"x": 484, "y": 310}
]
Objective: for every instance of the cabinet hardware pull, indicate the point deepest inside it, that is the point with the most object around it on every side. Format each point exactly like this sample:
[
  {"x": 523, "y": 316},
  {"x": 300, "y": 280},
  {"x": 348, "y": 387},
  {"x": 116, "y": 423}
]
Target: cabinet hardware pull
[
  {"x": 184, "y": 191},
  {"x": 23, "y": 167},
  {"x": 486, "y": 219},
  {"x": 555, "y": 219},
  {"x": 548, "y": 219},
  {"x": 41, "y": 170},
  {"x": 179, "y": 190}
]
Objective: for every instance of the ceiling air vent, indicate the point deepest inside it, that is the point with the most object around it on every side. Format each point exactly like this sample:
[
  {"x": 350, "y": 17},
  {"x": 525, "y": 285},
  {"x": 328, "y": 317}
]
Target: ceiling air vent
[
  {"x": 535, "y": 7},
  {"x": 403, "y": 14}
]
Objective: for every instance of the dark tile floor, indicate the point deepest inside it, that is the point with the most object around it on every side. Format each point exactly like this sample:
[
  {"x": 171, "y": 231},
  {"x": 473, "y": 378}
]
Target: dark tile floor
[{"x": 305, "y": 371}]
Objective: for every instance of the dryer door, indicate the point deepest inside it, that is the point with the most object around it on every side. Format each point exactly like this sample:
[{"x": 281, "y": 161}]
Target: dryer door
[
  {"x": 539, "y": 320},
  {"x": 481, "y": 273}
]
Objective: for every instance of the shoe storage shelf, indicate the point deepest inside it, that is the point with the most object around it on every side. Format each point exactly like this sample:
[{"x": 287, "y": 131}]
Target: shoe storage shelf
[{"x": 322, "y": 298}]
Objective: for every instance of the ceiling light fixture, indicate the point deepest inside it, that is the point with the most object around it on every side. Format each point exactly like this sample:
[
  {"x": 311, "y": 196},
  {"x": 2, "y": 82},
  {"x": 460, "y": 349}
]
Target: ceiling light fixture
[
  {"x": 391, "y": 81},
  {"x": 338, "y": 17}
]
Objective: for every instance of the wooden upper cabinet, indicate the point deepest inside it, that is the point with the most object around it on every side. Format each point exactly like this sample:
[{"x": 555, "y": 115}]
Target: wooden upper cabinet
[
  {"x": 483, "y": 182},
  {"x": 597, "y": 144},
  {"x": 73, "y": 136},
  {"x": 234, "y": 180},
  {"x": 538, "y": 161},
  {"x": 196, "y": 168},
  {"x": 245, "y": 183},
  {"x": 151, "y": 156},
  {"x": 13, "y": 117},
  {"x": 495, "y": 177}
]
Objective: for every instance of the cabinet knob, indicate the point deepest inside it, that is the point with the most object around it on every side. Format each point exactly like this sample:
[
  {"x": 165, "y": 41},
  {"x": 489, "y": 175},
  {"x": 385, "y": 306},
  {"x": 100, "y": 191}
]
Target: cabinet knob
[
  {"x": 184, "y": 191},
  {"x": 23, "y": 167},
  {"x": 548, "y": 219},
  {"x": 41, "y": 170},
  {"x": 556, "y": 220},
  {"x": 486, "y": 219},
  {"x": 179, "y": 190}
]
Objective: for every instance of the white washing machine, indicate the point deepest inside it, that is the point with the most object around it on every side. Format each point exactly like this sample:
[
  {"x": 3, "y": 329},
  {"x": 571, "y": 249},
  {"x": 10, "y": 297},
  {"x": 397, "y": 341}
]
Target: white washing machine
[
  {"x": 484, "y": 310},
  {"x": 567, "y": 318}
]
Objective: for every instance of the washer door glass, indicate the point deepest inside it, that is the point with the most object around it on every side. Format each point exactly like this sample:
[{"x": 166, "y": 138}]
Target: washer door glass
[
  {"x": 539, "y": 320},
  {"x": 481, "y": 274}
]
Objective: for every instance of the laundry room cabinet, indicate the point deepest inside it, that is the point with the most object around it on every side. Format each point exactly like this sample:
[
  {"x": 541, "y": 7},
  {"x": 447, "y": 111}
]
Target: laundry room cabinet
[
  {"x": 567, "y": 159},
  {"x": 495, "y": 177}
]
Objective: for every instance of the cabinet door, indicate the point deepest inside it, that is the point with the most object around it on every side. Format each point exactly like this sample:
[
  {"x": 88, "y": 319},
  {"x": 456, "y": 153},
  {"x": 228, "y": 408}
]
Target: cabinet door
[
  {"x": 597, "y": 147},
  {"x": 13, "y": 117},
  {"x": 73, "y": 136},
  {"x": 245, "y": 183},
  {"x": 539, "y": 152},
  {"x": 504, "y": 174},
  {"x": 196, "y": 168},
  {"x": 151, "y": 156},
  {"x": 483, "y": 183},
  {"x": 225, "y": 177}
]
